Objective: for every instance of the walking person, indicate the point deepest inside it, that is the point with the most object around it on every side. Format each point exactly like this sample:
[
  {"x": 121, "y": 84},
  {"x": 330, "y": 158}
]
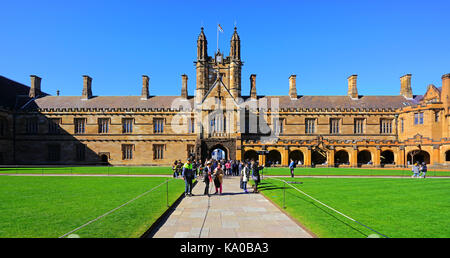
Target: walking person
[
  {"x": 188, "y": 176},
  {"x": 245, "y": 174},
  {"x": 207, "y": 177},
  {"x": 218, "y": 178},
  {"x": 291, "y": 167},
  {"x": 174, "y": 169},
  {"x": 415, "y": 170},
  {"x": 255, "y": 175},
  {"x": 423, "y": 169}
]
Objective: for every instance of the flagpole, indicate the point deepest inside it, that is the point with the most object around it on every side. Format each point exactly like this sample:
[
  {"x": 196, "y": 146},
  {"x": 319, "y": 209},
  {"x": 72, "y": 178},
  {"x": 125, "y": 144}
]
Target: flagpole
[{"x": 217, "y": 38}]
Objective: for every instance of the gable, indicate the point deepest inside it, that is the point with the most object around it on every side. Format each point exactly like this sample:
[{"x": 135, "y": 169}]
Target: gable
[
  {"x": 432, "y": 94},
  {"x": 219, "y": 92}
]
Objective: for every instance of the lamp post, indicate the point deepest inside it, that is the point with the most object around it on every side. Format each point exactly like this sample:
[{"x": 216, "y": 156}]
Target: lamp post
[{"x": 260, "y": 153}]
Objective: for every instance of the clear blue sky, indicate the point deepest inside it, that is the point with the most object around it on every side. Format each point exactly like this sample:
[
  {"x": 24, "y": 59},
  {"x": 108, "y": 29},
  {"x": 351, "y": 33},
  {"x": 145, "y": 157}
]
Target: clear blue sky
[{"x": 322, "y": 42}]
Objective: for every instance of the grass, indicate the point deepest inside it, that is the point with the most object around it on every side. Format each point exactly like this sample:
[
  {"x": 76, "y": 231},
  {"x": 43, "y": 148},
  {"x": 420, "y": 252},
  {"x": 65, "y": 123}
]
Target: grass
[
  {"x": 52, "y": 206},
  {"x": 282, "y": 171},
  {"x": 399, "y": 208},
  {"x": 99, "y": 170}
]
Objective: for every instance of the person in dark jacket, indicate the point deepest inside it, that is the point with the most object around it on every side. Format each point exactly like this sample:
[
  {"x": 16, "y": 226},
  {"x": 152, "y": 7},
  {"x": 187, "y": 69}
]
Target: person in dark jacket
[
  {"x": 207, "y": 171},
  {"x": 423, "y": 169},
  {"x": 255, "y": 175},
  {"x": 188, "y": 176}
]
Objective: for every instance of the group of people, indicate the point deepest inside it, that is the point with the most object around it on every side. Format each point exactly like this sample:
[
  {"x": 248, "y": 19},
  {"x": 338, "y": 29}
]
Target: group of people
[
  {"x": 419, "y": 170},
  {"x": 213, "y": 171}
]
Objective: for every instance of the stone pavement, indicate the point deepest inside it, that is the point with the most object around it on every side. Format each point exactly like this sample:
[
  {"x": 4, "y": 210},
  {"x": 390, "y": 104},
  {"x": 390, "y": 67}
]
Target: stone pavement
[{"x": 233, "y": 214}]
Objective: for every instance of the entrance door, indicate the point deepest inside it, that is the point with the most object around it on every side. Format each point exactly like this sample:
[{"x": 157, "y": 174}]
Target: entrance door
[{"x": 218, "y": 152}]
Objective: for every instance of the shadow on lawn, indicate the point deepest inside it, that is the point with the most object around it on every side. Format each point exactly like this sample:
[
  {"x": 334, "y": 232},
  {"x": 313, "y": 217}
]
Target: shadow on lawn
[{"x": 269, "y": 186}]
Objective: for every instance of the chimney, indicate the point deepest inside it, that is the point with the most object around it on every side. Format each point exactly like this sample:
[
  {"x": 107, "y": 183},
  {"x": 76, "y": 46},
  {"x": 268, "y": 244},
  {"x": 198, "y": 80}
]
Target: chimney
[
  {"x": 35, "y": 89},
  {"x": 352, "y": 89},
  {"x": 405, "y": 86},
  {"x": 292, "y": 86},
  {"x": 184, "y": 91},
  {"x": 145, "y": 91},
  {"x": 445, "y": 92},
  {"x": 87, "y": 89},
  {"x": 253, "y": 86}
]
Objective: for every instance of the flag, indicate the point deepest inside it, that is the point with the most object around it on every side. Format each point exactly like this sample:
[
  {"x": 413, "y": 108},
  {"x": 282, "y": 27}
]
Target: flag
[{"x": 219, "y": 28}]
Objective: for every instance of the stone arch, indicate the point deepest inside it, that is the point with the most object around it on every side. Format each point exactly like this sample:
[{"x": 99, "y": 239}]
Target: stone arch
[
  {"x": 447, "y": 156},
  {"x": 296, "y": 156},
  {"x": 341, "y": 157},
  {"x": 318, "y": 157},
  {"x": 220, "y": 147},
  {"x": 274, "y": 157},
  {"x": 364, "y": 157},
  {"x": 387, "y": 157},
  {"x": 418, "y": 156},
  {"x": 250, "y": 155}
]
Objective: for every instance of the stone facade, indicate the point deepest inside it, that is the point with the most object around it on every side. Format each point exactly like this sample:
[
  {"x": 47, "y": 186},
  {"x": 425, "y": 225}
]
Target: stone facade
[{"x": 349, "y": 130}]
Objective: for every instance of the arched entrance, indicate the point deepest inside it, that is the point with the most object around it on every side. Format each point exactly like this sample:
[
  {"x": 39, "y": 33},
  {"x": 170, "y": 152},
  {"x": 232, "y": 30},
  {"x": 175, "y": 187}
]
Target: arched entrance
[
  {"x": 447, "y": 156},
  {"x": 341, "y": 157},
  {"x": 296, "y": 156},
  {"x": 250, "y": 155},
  {"x": 274, "y": 157},
  {"x": 387, "y": 157},
  {"x": 218, "y": 152},
  {"x": 418, "y": 156},
  {"x": 364, "y": 157},
  {"x": 318, "y": 157}
]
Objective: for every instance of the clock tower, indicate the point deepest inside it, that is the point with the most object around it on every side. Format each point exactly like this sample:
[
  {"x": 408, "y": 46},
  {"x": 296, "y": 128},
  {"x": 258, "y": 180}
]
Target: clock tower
[{"x": 228, "y": 68}]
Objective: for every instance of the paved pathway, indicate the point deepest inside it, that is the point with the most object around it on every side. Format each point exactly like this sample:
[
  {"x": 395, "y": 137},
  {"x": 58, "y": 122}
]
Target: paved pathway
[{"x": 233, "y": 214}]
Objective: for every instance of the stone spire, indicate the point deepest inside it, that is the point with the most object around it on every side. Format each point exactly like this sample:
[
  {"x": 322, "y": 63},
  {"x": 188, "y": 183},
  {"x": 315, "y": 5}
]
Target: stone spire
[
  {"x": 202, "y": 43},
  {"x": 235, "y": 46}
]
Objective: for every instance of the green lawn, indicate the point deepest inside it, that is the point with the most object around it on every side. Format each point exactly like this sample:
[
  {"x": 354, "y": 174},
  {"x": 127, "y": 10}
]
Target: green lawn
[
  {"x": 100, "y": 170},
  {"x": 399, "y": 208},
  {"x": 283, "y": 171},
  {"x": 53, "y": 206}
]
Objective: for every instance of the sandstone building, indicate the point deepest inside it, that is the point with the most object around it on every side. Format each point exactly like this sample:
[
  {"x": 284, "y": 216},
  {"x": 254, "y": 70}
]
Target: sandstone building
[{"x": 350, "y": 130}]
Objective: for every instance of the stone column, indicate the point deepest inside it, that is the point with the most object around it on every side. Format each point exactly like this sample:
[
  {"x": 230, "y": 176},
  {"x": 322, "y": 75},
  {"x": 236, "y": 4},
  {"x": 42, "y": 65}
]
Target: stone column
[
  {"x": 401, "y": 157},
  {"x": 376, "y": 159},
  {"x": 435, "y": 157},
  {"x": 330, "y": 157},
  {"x": 354, "y": 157},
  {"x": 285, "y": 156},
  {"x": 308, "y": 157}
]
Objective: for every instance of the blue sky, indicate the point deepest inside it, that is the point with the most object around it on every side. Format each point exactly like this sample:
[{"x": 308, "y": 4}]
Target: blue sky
[{"x": 322, "y": 42}]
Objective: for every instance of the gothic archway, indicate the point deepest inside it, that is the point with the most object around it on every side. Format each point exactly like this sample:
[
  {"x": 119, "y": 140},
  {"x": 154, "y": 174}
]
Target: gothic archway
[
  {"x": 341, "y": 157},
  {"x": 296, "y": 156},
  {"x": 250, "y": 155},
  {"x": 387, "y": 157},
  {"x": 218, "y": 152},
  {"x": 274, "y": 157},
  {"x": 318, "y": 157},
  {"x": 364, "y": 157},
  {"x": 418, "y": 156}
]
